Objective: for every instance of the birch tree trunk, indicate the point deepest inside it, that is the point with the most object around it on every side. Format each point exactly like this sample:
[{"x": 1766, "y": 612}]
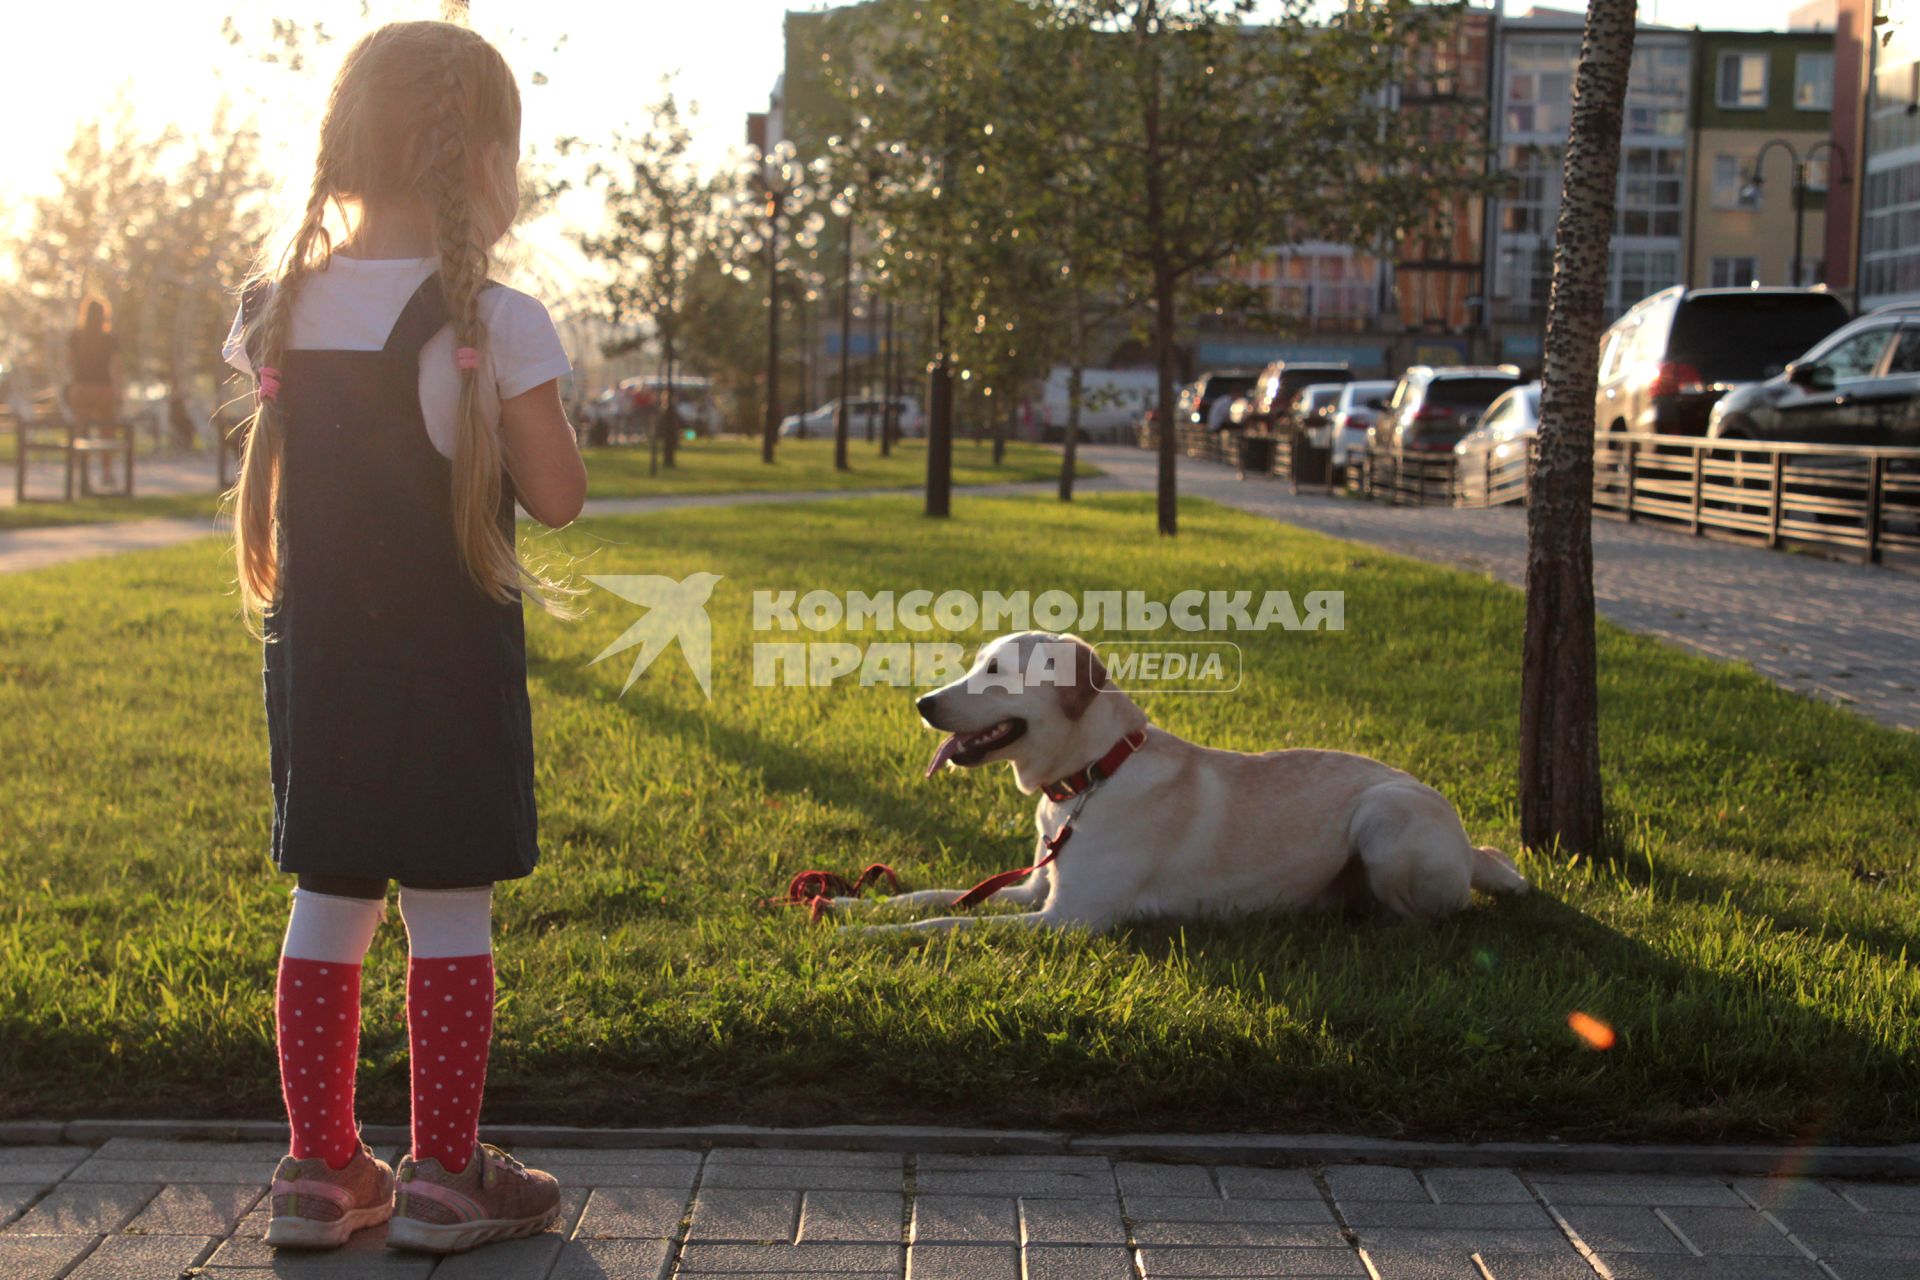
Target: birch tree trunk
[{"x": 1559, "y": 715}]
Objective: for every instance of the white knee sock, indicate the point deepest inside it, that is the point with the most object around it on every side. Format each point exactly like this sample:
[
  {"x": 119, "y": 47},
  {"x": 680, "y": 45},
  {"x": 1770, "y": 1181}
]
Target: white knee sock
[
  {"x": 336, "y": 930},
  {"x": 448, "y": 922}
]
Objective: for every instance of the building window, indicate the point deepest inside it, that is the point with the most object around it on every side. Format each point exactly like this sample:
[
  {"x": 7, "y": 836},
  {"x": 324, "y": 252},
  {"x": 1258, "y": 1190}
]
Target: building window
[
  {"x": 1734, "y": 273},
  {"x": 1650, "y": 192},
  {"x": 1316, "y": 282},
  {"x": 1891, "y": 261},
  {"x": 1656, "y": 103},
  {"x": 1743, "y": 81},
  {"x": 1729, "y": 181},
  {"x": 1813, "y": 81},
  {"x": 1638, "y": 273},
  {"x": 1535, "y": 201},
  {"x": 1540, "y": 87}
]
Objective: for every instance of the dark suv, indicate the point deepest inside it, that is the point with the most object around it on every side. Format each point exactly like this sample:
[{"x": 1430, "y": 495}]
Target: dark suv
[
  {"x": 1432, "y": 408},
  {"x": 1665, "y": 363},
  {"x": 1197, "y": 401},
  {"x": 1278, "y": 383},
  {"x": 1859, "y": 386}
]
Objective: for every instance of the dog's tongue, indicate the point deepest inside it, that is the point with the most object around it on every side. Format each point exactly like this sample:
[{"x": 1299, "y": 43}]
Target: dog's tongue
[{"x": 948, "y": 750}]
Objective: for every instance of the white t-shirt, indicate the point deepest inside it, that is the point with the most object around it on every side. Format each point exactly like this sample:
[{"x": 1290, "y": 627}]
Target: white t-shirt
[{"x": 353, "y": 304}]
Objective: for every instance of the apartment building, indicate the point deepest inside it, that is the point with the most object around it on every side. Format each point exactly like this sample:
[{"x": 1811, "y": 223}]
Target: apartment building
[
  {"x": 1537, "y": 55},
  {"x": 1762, "y": 115}
]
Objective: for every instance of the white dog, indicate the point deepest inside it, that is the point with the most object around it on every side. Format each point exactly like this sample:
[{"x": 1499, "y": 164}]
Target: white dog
[{"x": 1160, "y": 827}]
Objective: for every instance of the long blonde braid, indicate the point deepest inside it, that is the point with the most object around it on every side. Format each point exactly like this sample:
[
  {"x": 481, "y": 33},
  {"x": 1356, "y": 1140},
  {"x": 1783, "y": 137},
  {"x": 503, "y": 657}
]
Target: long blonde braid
[
  {"x": 464, "y": 261},
  {"x": 255, "y": 492}
]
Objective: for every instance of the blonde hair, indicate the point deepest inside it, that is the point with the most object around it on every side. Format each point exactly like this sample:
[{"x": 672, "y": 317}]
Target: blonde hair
[
  {"x": 412, "y": 108},
  {"x": 96, "y": 313}
]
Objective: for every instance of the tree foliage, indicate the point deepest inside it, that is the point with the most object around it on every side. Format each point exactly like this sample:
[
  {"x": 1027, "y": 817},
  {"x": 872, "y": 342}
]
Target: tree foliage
[
  {"x": 658, "y": 225},
  {"x": 1141, "y": 146},
  {"x": 164, "y": 226}
]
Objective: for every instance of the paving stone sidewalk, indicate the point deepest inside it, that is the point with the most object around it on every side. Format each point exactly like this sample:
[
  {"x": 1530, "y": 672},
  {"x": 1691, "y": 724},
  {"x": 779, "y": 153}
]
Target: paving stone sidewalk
[
  {"x": 147, "y": 1209},
  {"x": 1844, "y": 633}
]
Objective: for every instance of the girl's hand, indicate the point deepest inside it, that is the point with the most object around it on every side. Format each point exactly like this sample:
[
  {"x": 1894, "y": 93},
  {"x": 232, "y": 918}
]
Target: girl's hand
[{"x": 543, "y": 456}]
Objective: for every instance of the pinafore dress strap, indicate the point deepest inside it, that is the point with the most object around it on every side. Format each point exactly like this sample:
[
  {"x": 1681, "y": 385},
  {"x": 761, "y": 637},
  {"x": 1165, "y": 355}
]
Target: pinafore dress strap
[{"x": 425, "y": 314}]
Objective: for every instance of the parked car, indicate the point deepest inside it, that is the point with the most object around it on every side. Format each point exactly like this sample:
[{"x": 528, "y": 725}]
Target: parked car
[
  {"x": 1312, "y": 411},
  {"x": 1861, "y": 385},
  {"x": 1282, "y": 380},
  {"x": 692, "y": 401},
  {"x": 1432, "y": 407},
  {"x": 1353, "y": 413},
  {"x": 1665, "y": 363},
  {"x": 1500, "y": 441},
  {"x": 1197, "y": 401},
  {"x": 1239, "y": 413},
  {"x": 863, "y": 413}
]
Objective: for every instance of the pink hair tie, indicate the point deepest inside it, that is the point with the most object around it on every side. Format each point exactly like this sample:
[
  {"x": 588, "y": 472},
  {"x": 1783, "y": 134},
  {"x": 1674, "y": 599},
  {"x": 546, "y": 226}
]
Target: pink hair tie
[
  {"x": 269, "y": 380},
  {"x": 466, "y": 358}
]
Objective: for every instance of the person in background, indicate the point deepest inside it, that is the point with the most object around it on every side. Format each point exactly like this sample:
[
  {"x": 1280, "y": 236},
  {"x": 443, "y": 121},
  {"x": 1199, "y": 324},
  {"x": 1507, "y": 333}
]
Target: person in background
[{"x": 94, "y": 373}]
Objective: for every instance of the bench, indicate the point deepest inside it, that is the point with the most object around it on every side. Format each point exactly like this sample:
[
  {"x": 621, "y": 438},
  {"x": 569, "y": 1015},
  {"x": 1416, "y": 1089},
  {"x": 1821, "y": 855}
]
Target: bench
[{"x": 45, "y": 427}]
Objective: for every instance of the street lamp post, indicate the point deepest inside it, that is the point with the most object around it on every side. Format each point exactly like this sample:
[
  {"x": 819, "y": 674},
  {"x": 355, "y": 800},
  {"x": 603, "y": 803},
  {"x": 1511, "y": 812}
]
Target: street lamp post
[{"x": 1756, "y": 184}]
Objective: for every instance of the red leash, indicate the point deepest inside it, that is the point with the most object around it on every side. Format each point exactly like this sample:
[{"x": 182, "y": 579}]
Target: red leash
[
  {"x": 816, "y": 889},
  {"x": 994, "y": 884}
]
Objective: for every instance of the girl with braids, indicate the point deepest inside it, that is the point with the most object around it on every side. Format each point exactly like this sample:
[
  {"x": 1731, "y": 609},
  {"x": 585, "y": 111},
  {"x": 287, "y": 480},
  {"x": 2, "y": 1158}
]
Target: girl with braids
[{"x": 405, "y": 403}]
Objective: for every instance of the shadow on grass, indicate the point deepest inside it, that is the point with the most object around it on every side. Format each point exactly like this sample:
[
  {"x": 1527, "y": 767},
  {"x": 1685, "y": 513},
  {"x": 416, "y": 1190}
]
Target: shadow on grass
[
  {"x": 1479, "y": 1005},
  {"x": 780, "y": 766},
  {"x": 1751, "y": 898}
]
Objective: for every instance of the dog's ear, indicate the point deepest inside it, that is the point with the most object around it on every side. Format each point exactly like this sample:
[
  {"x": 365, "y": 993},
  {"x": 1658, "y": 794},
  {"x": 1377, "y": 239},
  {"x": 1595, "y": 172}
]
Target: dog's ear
[{"x": 1089, "y": 678}]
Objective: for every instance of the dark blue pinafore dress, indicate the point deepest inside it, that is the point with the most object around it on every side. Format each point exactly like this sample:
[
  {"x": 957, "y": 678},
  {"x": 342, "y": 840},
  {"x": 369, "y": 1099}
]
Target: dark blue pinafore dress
[{"x": 399, "y": 732}]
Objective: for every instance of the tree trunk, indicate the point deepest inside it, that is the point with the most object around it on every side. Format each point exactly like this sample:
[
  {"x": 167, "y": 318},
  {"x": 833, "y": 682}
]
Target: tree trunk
[
  {"x": 771, "y": 431},
  {"x": 1003, "y": 425},
  {"x": 1169, "y": 507},
  {"x": 1148, "y": 35},
  {"x": 940, "y": 415},
  {"x": 845, "y": 406},
  {"x": 891, "y": 378},
  {"x": 1071, "y": 447},
  {"x": 1559, "y": 715},
  {"x": 670, "y": 435}
]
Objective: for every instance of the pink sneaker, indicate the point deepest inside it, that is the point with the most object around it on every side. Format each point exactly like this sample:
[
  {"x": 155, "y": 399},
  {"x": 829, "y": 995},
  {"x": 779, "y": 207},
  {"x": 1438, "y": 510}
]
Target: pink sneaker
[
  {"x": 314, "y": 1207},
  {"x": 494, "y": 1198}
]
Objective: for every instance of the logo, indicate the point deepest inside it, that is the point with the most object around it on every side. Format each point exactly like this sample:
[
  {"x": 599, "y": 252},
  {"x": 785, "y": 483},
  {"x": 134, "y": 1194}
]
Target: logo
[{"x": 675, "y": 611}]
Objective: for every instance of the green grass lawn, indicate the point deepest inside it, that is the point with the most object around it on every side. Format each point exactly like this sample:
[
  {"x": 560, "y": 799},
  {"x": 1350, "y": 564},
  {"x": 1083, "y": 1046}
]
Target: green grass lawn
[
  {"x": 1760, "y": 986},
  {"x": 36, "y": 515},
  {"x": 734, "y": 466}
]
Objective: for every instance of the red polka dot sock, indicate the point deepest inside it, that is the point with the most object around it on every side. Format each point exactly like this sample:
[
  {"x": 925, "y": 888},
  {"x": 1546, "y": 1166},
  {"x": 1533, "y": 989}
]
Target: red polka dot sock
[
  {"x": 449, "y": 1028},
  {"x": 317, "y": 1014}
]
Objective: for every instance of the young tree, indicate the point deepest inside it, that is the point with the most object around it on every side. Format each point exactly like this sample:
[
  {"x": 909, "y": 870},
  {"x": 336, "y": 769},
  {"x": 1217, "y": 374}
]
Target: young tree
[
  {"x": 925, "y": 85},
  {"x": 657, "y": 214},
  {"x": 1560, "y": 798},
  {"x": 1235, "y": 137}
]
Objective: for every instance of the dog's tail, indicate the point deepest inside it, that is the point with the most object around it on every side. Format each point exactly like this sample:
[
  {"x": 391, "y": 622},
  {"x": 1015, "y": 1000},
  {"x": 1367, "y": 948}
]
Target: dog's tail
[{"x": 1494, "y": 872}]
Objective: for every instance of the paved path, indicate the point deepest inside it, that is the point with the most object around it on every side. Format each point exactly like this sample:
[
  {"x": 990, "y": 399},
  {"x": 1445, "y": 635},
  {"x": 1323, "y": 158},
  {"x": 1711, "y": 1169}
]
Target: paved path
[
  {"x": 144, "y": 1209},
  {"x": 38, "y": 548},
  {"x": 153, "y": 475},
  {"x": 1840, "y": 632}
]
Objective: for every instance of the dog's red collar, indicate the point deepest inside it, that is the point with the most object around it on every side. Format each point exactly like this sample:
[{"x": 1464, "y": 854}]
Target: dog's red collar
[{"x": 1099, "y": 771}]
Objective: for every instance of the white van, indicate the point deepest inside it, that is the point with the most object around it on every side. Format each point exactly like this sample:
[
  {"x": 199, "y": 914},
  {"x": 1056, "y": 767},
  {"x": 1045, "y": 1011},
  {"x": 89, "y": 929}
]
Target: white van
[{"x": 1111, "y": 401}]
